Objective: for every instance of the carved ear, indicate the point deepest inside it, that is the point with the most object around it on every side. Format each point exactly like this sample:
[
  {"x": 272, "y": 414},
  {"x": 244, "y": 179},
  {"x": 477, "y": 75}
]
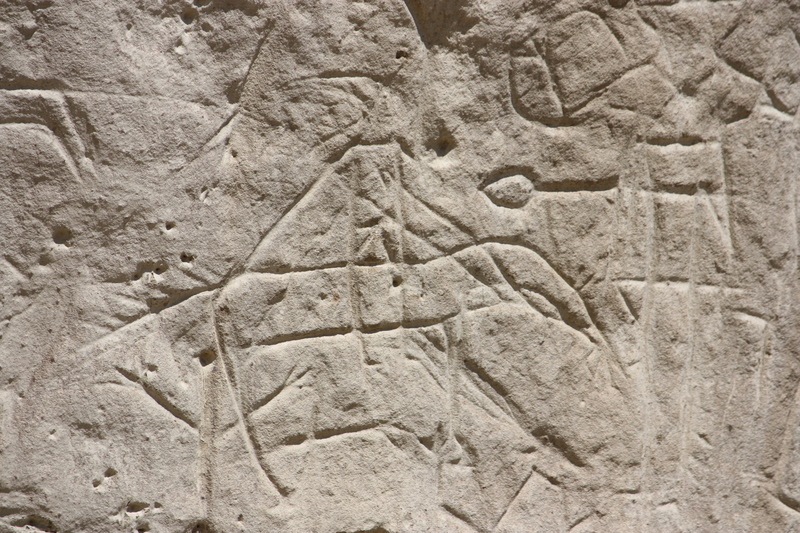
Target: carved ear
[
  {"x": 318, "y": 87},
  {"x": 374, "y": 39},
  {"x": 320, "y": 70}
]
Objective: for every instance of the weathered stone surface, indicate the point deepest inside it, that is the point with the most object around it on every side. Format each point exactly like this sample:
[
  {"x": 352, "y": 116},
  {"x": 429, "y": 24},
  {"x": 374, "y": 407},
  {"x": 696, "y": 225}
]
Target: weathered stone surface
[{"x": 399, "y": 266}]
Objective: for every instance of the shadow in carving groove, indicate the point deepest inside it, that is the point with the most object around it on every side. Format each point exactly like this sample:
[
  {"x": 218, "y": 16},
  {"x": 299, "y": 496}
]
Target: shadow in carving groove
[
  {"x": 437, "y": 20},
  {"x": 36, "y": 523}
]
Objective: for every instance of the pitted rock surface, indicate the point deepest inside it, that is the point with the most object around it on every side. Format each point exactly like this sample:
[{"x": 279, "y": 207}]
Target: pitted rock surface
[{"x": 399, "y": 266}]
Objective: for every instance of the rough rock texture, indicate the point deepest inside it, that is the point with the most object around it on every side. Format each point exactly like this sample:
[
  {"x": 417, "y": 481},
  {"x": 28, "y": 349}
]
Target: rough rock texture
[{"x": 399, "y": 266}]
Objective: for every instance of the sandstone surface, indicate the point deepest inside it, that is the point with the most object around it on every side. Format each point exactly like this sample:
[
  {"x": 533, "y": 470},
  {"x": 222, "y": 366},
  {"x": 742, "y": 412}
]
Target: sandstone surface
[{"x": 389, "y": 266}]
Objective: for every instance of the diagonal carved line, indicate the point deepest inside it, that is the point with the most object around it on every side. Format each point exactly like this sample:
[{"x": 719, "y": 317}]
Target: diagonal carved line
[
  {"x": 288, "y": 382},
  {"x": 438, "y": 212},
  {"x": 247, "y": 434},
  {"x": 513, "y": 499},
  {"x": 402, "y": 226},
  {"x": 159, "y": 398},
  {"x": 460, "y": 516},
  {"x": 500, "y": 394}
]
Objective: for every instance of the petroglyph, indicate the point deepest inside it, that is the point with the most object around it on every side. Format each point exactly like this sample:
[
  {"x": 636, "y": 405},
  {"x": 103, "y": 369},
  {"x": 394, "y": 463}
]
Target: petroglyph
[{"x": 399, "y": 266}]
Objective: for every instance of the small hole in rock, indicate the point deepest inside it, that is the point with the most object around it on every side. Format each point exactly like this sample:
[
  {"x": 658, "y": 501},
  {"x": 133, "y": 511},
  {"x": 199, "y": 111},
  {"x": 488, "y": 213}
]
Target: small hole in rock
[
  {"x": 401, "y": 54},
  {"x": 207, "y": 357},
  {"x": 135, "y": 507},
  {"x": 201, "y": 527},
  {"x": 28, "y": 29},
  {"x": 128, "y": 25},
  {"x": 427, "y": 442},
  {"x": 397, "y": 281},
  {"x": 187, "y": 257},
  {"x": 110, "y": 472},
  {"x": 62, "y": 235},
  {"x": 152, "y": 368},
  {"x": 442, "y": 144},
  {"x": 96, "y": 483},
  {"x": 169, "y": 225},
  {"x": 205, "y": 26},
  {"x": 233, "y": 91},
  {"x": 240, "y": 518},
  {"x": 188, "y": 16},
  {"x": 157, "y": 505}
]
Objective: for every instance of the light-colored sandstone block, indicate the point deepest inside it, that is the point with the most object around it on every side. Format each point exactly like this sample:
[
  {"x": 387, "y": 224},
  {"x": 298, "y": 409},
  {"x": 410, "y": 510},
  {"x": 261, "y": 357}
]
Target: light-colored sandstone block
[{"x": 387, "y": 266}]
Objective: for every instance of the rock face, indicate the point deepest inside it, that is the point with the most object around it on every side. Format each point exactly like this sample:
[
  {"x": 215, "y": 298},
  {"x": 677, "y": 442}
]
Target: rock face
[{"x": 399, "y": 266}]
